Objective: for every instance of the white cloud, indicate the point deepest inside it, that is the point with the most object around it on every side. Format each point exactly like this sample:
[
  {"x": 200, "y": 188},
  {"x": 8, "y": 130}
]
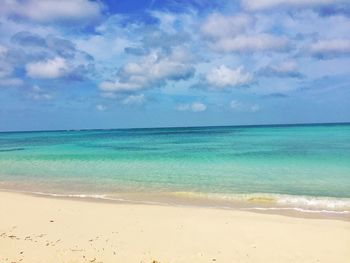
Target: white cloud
[
  {"x": 100, "y": 107},
  {"x": 256, "y": 5},
  {"x": 134, "y": 100},
  {"x": 166, "y": 20},
  {"x": 37, "y": 93},
  {"x": 4, "y": 82},
  {"x": 217, "y": 25},
  {"x": 287, "y": 68},
  {"x": 49, "y": 69},
  {"x": 240, "y": 33},
  {"x": 6, "y": 70},
  {"x": 109, "y": 95},
  {"x": 157, "y": 67},
  {"x": 236, "y": 105},
  {"x": 152, "y": 70},
  {"x": 307, "y": 24},
  {"x": 255, "y": 108},
  {"x": 251, "y": 43},
  {"x": 45, "y": 57},
  {"x": 223, "y": 77},
  {"x": 3, "y": 50},
  {"x": 117, "y": 86},
  {"x": 103, "y": 47},
  {"x": 52, "y": 10},
  {"x": 195, "y": 107},
  {"x": 198, "y": 107},
  {"x": 330, "y": 48},
  {"x": 41, "y": 96}
]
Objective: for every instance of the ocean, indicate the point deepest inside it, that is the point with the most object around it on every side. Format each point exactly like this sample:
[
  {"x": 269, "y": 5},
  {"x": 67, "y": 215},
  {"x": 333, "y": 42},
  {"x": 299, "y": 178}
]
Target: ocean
[{"x": 302, "y": 168}]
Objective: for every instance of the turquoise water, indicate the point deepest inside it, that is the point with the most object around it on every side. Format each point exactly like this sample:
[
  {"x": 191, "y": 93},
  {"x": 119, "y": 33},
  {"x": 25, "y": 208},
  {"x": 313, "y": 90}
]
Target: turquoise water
[{"x": 299, "y": 166}]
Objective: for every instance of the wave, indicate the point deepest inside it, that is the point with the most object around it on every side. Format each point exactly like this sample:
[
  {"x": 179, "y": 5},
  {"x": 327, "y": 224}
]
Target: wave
[
  {"x": 298, "y": 209},
  {"x": 92, "y": 196},
  {"x": 263, "y": 201},
  {"x": 255, "y": 201}
]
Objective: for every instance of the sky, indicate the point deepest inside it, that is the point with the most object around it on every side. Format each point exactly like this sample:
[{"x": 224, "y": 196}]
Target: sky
[{"x": 83, "y": 64}]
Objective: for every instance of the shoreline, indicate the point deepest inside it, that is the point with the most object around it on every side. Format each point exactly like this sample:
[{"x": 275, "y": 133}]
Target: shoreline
[
  {"x": 180, "y": 201},
  {"x": 34, "y": 229}
]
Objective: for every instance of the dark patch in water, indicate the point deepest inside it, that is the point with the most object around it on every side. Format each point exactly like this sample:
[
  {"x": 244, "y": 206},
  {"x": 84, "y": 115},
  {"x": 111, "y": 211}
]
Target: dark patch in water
[
  {"x": 119, "y": 148},
  {"x": 12, "y": 150}
]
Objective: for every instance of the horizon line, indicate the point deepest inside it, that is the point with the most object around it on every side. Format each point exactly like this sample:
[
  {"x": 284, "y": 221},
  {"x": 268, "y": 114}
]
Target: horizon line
[{"x": 174, "y": 127}]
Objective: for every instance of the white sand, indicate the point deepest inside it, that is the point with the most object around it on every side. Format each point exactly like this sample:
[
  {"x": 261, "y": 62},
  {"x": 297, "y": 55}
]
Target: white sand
[{"x": 102, "y": 232}]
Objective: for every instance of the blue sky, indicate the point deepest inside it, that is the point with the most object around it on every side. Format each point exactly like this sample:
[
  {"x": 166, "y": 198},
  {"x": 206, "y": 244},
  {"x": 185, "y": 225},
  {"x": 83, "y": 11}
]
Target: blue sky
[{"x": 78, "y": 64}]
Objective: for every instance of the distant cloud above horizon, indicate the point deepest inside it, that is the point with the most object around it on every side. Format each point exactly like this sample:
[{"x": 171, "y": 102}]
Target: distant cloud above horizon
[{"x": 94, "y": 63}]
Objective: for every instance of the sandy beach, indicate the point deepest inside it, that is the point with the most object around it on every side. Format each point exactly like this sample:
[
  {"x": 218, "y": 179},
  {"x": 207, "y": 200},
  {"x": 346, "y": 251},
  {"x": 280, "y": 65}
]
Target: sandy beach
[{"x": 39, "y": 229}]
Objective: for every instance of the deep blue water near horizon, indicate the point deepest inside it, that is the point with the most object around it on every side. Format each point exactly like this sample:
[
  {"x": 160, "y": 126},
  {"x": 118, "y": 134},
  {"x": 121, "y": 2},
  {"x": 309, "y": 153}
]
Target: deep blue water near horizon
[{"x": 305, "y": 166}]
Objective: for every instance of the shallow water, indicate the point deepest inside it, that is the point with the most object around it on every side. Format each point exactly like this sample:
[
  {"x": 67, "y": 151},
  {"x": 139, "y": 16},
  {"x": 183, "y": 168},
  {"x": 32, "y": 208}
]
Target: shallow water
[{"x": 303, "y": 167}]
